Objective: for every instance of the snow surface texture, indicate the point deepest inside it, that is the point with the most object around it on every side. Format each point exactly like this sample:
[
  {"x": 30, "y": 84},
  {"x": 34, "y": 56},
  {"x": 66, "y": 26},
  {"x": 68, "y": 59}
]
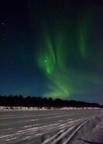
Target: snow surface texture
[{"x": 79, "y": 126}]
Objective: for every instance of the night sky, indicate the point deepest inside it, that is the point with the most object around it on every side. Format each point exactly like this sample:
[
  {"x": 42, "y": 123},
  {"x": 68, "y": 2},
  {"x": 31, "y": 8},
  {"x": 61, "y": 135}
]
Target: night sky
[{"x": 52, "y": 48}]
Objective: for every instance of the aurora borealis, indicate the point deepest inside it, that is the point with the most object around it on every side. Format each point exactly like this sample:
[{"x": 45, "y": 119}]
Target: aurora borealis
[{"x": 52, "y": 49}]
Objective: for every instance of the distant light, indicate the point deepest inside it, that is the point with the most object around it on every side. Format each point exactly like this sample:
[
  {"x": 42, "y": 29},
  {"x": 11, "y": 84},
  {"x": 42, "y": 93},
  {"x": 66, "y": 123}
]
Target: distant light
[
  {"x": 2, "y": 23},
  {"x": 45, "y": 61}
]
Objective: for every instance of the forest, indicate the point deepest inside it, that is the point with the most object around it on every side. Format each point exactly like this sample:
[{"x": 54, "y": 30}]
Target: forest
[{"x": 43, "y": 102}]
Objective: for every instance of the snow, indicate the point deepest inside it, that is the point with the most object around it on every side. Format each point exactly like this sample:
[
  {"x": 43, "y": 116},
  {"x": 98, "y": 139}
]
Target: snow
[{"x": 66, "y": 126}]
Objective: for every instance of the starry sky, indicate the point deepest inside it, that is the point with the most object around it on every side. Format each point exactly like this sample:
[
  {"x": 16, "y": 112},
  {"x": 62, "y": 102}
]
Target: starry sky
[{"x": 52, "y": 48}]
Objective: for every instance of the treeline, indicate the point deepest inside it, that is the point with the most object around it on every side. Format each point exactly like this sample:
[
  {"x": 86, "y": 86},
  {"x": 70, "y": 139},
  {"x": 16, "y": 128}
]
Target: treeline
[{"x": 42, "y": 102}]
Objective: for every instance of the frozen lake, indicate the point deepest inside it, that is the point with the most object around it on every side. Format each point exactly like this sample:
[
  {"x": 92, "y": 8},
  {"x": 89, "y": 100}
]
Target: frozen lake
[{"x": 83, "y": 126}]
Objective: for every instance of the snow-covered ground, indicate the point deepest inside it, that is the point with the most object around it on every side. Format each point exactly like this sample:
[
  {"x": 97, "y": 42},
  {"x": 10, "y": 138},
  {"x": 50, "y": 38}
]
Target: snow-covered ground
[{"x": 73, "y": 126}]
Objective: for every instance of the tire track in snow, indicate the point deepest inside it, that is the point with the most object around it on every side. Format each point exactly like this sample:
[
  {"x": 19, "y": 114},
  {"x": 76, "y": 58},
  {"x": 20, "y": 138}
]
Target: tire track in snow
[
  {"x": 64, "y": 136},
  {"x": 75, "y": 131}
]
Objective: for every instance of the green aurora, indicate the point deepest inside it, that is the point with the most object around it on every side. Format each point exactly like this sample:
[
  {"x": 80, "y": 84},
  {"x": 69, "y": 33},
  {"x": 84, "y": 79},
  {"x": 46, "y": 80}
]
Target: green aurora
[
  {"x": 60, "y": 58},
  {"x": 66, "y": 50}
]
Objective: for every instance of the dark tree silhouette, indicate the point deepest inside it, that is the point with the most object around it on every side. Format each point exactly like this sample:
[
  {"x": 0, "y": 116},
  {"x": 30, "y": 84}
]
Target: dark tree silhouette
[{"x": 42, "y": 102}]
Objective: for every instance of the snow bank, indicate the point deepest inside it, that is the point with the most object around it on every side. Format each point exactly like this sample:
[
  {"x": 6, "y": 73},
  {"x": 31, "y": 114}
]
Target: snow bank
[{"x": 43, "y": 108}]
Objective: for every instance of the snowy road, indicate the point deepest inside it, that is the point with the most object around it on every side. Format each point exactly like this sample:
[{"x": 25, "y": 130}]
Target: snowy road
[{"x": 83, "y": 126}]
